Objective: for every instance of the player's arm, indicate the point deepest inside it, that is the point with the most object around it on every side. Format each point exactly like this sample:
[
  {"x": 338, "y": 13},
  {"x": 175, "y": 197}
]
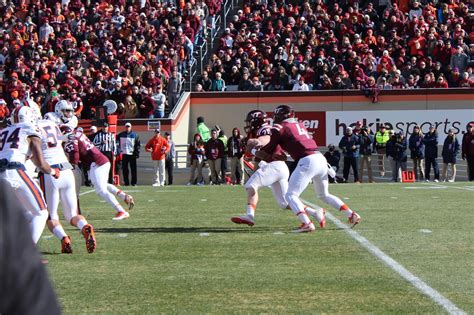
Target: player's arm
[{"x": 37, "y": 156}]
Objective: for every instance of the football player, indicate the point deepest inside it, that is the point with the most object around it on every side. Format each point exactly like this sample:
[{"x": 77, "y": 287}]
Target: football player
[
  {"x": 293, "y": 137},
  {"x": 17, "y": 141},
  {"x": 63, "y": 188},
  {"x": 80, "y": 148},
  {"x": 271, "y": 172}
]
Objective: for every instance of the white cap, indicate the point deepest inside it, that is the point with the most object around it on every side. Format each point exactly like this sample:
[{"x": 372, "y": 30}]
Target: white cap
[
  {"x": 93, "y": 128},
  {"x": 2, "y": 101},
  {"x": 128, "y": 125},
  {"x": 16, "y": 102}
]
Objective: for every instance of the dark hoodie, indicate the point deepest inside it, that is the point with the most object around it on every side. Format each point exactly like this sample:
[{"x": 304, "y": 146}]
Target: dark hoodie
[
  {"x": 196, "y": 148},
  {"x": 235, "y": 146}
]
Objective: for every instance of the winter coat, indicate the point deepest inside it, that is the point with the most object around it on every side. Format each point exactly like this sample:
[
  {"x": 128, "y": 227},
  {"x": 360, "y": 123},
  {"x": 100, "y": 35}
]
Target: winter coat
[
  {"x": 235, "y": 146},
  {"x": 431, "y": 145},
  {"x": 346, "y": 144},
  {"x": 366, "y": 142},
  {"x": 214, "y": 149},
  {"x": 400, "y": 150},
  {"x": 417, "y": 148},
  {"x": 450, "y": 150}
]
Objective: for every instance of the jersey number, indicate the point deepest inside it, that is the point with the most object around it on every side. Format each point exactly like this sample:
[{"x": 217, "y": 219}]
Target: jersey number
[
  {"x": 302, "y": 131},
  {"x": 52, "y": 136},
  {"x": 13, "y": 139}
]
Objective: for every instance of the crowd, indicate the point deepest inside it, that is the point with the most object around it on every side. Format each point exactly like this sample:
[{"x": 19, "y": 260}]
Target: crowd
[
  {"x": 359, "y": 145},
  {"x": 133, "y": 52},
  {"x": 325, "y": 45}
]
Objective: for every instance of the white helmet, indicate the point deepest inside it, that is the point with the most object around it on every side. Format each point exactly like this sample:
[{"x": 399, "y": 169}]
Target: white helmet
[
  {"x": 72, "y": 123},
  {"x": 53, "y": 117},
  {"x": 22, "y": 114},
  {"x": 64, "y": 110},
  {"x": 34, "y": 107}
]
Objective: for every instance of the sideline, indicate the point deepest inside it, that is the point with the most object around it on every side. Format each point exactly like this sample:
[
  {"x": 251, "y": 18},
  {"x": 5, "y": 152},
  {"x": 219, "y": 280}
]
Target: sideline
[
  {"x": 422, "y": 286},
  {"x": 469, "y": 188}
]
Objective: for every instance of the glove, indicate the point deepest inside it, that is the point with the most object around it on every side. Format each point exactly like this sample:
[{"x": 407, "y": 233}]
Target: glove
[{"x": 55, "y": 172}]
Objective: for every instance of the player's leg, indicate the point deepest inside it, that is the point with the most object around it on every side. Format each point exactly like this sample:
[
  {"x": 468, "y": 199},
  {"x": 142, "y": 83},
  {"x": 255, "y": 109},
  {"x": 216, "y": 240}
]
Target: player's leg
[
  {"x": 298, "y": 182},
  {"x": 321, "y": 188},
  {"x": 276, "y": 177},
  {"x": 98, "y": 176},
  {"x": 128, "y": 199},
  {"x": 161, "y": 166},
  {"x": 29, "y": 195}
]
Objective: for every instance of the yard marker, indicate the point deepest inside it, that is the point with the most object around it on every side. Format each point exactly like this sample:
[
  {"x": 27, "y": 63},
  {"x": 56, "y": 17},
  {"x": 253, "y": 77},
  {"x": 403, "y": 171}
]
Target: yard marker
[
  {"x": 426, "y": 231},
  {"x": 422, "y": 286}
]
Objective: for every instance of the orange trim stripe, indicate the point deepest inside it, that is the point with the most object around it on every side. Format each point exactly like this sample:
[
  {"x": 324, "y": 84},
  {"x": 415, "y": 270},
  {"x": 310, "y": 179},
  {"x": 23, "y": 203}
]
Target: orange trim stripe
[{"x": 31, "y": 185}]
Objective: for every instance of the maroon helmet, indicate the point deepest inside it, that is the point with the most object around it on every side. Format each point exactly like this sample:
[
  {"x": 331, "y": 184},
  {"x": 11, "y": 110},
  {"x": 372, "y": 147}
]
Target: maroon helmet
[
  {"x": 283, "y": 112},
  {"x": 255, "y": 119}
]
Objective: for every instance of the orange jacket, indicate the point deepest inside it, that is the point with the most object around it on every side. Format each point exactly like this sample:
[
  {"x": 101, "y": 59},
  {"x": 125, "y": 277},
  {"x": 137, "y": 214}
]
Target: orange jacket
[{"x": 158, "y": 146}]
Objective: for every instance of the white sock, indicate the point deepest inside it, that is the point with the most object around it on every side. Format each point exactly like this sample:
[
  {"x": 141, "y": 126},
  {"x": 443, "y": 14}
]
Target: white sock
[
  {"x": 303, "y": 217},
  {"x": 119, "y": 208},
  {"x": 251, "y": 210},
  {"x": 37, "y": 224},
  {"x": 346, "y": 210},
  {"x": 59, "y": 232},
  {"x": 114, "y": 190},
  {"x": 81, "y": 223}
]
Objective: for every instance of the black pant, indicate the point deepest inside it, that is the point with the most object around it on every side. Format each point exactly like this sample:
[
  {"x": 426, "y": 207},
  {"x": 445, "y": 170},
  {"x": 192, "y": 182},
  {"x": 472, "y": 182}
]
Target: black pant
[
  {"x": 132, "y": 160},
  {"x": 428, "y": 162},
  {"x": 169, "y": 170},
  {"x": 109, "y": 156},
  {"x": 348, "y": 163},
  {"x": 470, "y": 167}
]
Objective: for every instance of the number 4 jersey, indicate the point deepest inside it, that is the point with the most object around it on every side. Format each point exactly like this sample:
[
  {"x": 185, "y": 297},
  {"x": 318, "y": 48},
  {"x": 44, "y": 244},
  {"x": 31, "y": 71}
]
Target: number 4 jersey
[{"x": 14, "y": 144}]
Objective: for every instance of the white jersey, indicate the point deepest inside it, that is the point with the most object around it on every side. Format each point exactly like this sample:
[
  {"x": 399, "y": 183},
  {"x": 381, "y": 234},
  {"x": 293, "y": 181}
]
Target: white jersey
[
  {"x": 14, "y": 144},
  {"x": 51, "y": 142}
]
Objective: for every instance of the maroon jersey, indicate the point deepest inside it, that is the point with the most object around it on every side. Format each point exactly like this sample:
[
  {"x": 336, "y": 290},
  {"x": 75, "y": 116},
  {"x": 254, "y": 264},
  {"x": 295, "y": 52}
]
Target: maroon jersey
[
  {"x": 81, "y": 149},
  {"x": 266, "y": 130},
  {"x": 293, "y": 137}
]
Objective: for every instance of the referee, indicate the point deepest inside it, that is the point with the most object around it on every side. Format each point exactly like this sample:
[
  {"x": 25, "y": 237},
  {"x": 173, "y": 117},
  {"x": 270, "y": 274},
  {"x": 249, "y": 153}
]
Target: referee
[{"x": 105, "y": 142}]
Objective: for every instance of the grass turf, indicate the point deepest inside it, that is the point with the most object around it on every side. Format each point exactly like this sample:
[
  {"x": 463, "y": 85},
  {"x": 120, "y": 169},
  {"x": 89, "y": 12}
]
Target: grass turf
[{"x": 179, "y": 253}]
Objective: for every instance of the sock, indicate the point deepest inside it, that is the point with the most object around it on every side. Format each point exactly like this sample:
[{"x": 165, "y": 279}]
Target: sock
[
  {"x": 59, "y": 232},
  {"x": 121, "y": 194},
  {"x": 303, "y": 217},
  {"x": 347, "y": 211},
  {"x": 114, "y": 190},
  {"x": 251, "y": 210},
  {"x": 81, "y": 223}
]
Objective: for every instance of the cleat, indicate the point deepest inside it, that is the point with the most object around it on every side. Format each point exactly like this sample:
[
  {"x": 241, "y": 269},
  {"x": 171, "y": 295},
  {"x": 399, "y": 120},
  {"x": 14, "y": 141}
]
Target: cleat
[
  {"x": 305, "y": 228},
  {"x": 320, "y": 216},
  {"x": 129, "y": 201},
  {"x": 89, "y": 236},
  {"x": 121, "y": 216},
  {"x": 245, "y": 219},
  {"x": 66, "y": 246},
  {"x": 354, "y": 219}
]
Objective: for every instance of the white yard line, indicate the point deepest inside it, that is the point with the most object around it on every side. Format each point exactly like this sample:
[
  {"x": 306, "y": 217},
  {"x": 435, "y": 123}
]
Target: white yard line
[
  {"x": 422, "y": 286},
  {"x": 86, "y": 192},
  {"x": 469, "y": 188}
]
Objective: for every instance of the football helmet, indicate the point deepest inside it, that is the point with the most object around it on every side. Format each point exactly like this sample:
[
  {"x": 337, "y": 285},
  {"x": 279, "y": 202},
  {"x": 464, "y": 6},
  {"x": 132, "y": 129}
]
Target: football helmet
[
  {"x": 283, "y": 112},
  {"x": 22, "y": 114},
  {"x": 53, "y": 117},
  {"x": 255, "y": 119},
  {"x": 64, "y": 110}
]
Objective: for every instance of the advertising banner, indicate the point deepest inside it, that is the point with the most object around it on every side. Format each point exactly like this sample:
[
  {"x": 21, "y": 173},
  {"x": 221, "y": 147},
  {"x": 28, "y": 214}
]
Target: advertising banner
[{"x": 402, "y": 120}]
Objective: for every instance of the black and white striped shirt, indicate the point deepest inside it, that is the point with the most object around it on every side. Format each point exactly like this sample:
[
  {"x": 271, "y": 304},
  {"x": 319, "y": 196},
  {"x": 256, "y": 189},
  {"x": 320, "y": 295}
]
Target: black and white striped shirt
[{"x": 105, "y": 141}]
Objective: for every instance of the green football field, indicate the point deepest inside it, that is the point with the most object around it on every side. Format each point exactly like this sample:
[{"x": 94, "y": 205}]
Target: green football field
[{"x": 179, "y": 253}]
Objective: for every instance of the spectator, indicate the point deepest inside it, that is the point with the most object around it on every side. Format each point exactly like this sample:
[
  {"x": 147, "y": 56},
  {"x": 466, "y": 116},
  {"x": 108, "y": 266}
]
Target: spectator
[
  {"x": 159, "y": 147},
  {"x": 129, "y": 147},
  {"x": 459, "y": 60},
  {"x": 174, "y": 89},
  {"x": 400, "y": 156},
  {"x": 256, "y": 85},
  {"x": 467, "y": 151},
  {"x": 381, "y": 138},
  {"x": 223, "y": 138},
  {"x": 235, "y": 150},
  {"x": 105, "y": 142},
  {"x": 4, "y": 111},
  {"x": 366, "y": 142},
  {"x": 197, "y": 155},
  {"x": 170, "y": 157},
  {"x": 333, "y": 156},
  {"x": 449, "y": 153},
  {"x": 245, "y": 83},
  {"x": 218, "y": 84},
  {"x": 202, "y": 129},
  {"x": 205, "y": 81},
  {"x": 214, "y": 151},
  {"x": 417, "y": 150},
  {"x": 159, "y": 101},
  {"x": 430, "y": 140},
  {"x": 300, "y": 85},
  {"x": 349, "y": 145}
]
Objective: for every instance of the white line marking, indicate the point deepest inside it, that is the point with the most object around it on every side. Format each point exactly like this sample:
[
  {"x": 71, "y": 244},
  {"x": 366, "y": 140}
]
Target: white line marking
[
  {"x": 470, "y": 188},
  {"x": 422, "y": 286},
  {"x": 86, "y": 192},
  {"x": 47, "y": 237},
  {"x": 426, "y": 231},
  {"x": 203, "y": 199},
  {"x": 425, "y": 187},
  {"x": 278, "y": 233},
  {"x": 122, "y": 235},
  {"x": 203, "y": 234}
]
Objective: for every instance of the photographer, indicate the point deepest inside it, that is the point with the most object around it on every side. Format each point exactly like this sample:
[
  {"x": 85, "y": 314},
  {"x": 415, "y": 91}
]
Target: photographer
[
  {"x": 366, "y": 141},
  {"x": 333, "y": 157},
  {"x": 397, "y": 154},
  {"x": 417, "y": 149}
]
